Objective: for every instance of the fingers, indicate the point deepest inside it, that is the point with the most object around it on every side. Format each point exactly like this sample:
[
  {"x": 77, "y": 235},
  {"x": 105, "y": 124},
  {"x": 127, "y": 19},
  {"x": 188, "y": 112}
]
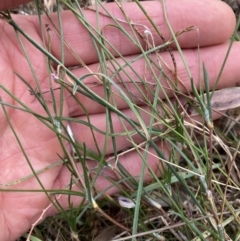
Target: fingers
[
  {"x": 124, "y": 134},
  {"x": 213, "y": 58},
  {"x": 131, "y": 161},
  {"x": 120, "y": 126},
  {"x": 214, "y": 20}
]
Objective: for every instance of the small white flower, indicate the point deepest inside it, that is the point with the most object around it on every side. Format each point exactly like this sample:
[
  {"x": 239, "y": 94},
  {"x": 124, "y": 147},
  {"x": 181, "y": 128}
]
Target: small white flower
[{"x": 126, "y": 202}]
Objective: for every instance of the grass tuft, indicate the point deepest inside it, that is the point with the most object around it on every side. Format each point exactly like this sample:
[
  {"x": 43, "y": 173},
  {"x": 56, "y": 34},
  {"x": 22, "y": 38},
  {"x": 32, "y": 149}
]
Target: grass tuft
[{"x": 197, "y": 197}]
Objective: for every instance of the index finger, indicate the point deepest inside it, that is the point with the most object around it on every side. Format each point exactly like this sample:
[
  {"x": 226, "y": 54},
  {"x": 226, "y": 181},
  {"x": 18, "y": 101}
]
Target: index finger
[{"x": 214, "y": 20}]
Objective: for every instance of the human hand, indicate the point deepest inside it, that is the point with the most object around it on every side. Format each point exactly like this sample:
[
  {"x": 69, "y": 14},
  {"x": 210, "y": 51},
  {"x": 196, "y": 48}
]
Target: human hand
[{"x": 19, "y": 210}]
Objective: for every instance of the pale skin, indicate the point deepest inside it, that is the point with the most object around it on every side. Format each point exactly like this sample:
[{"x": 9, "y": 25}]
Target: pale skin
[{"x": 20, "y": 210}]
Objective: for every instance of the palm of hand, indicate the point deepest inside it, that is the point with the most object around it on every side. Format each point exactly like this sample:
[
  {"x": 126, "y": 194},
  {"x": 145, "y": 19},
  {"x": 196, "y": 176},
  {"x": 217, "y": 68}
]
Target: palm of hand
[{"x": 19, "y": 209}]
